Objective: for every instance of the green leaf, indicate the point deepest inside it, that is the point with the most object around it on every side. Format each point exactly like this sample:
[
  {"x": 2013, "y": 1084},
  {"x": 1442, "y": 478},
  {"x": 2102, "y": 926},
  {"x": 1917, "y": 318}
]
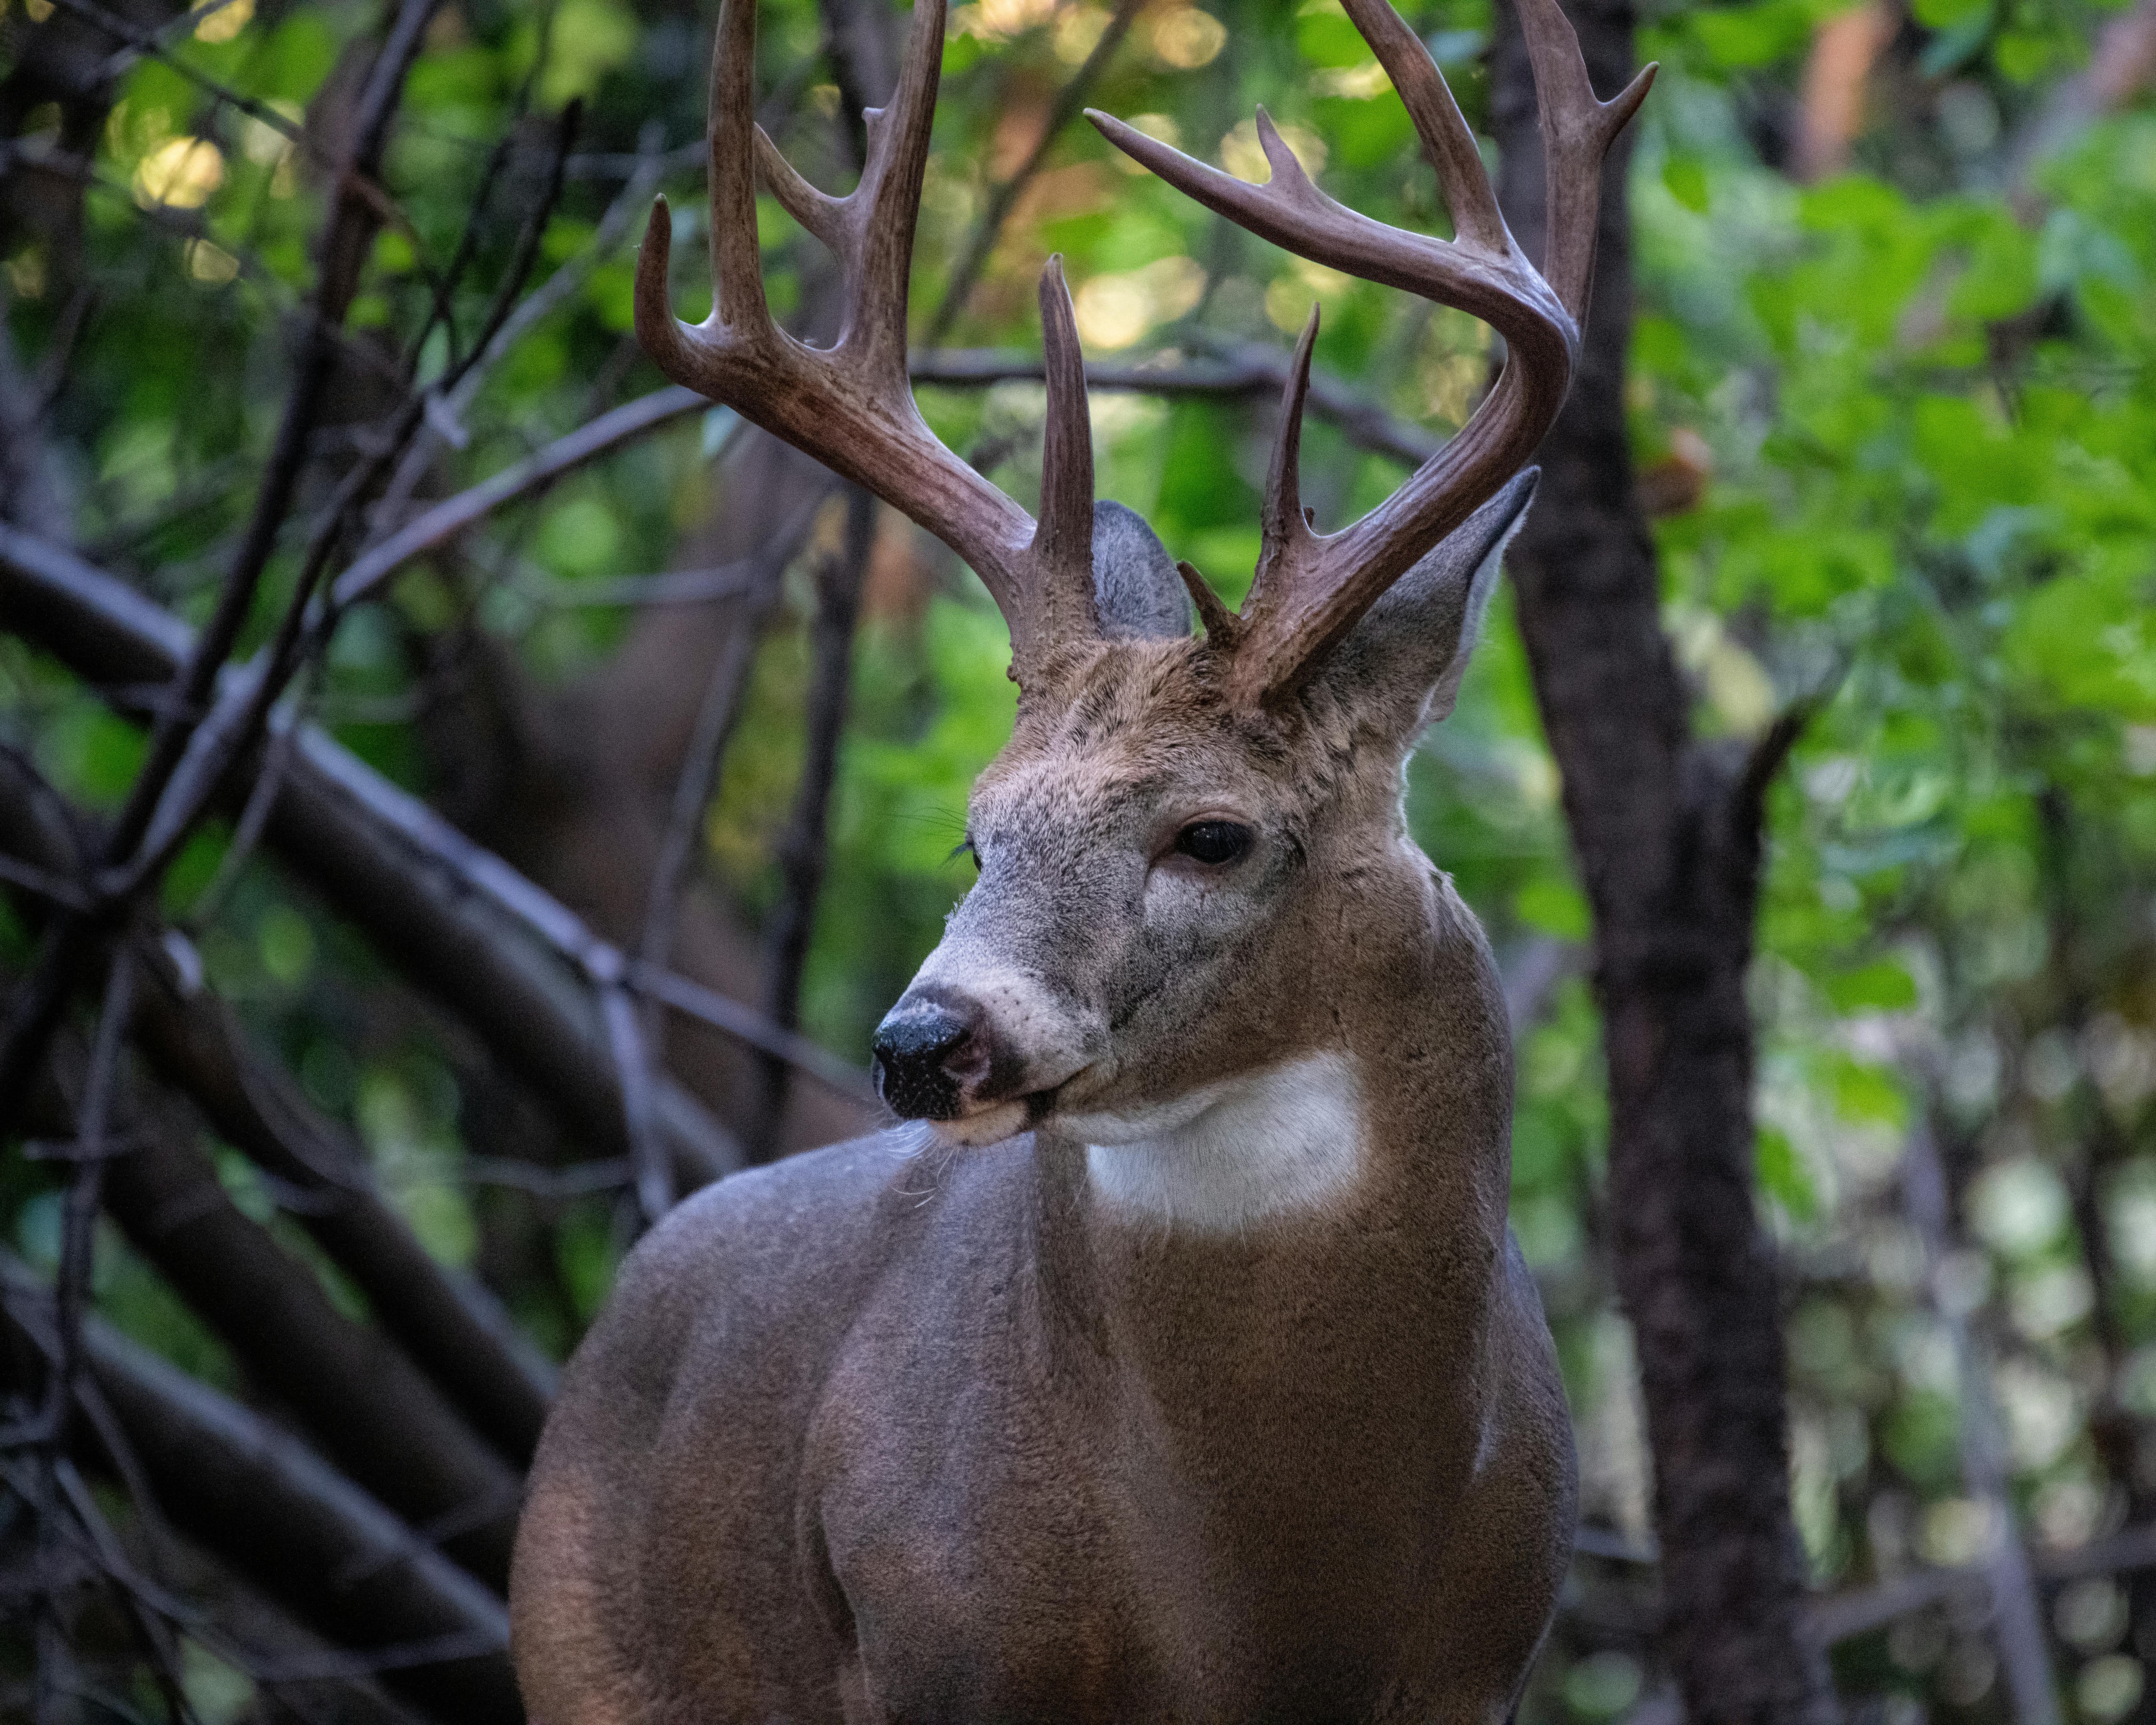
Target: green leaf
[
  {"x": 1868, "y": 1094},
  {"x": 1329, "y": 39},
  {"x": 1552, "y": 905},
  {"x": 1686, "y": 181},
  {"x": 287, "y": 944},
  {"x": 1881, "y": 986},
  {"x": 590, "y": 39},
  {"x": 2021, "y": 57},
  {"x": 1748, "y": 37},
  {"x": 1783, "y": 1175}
]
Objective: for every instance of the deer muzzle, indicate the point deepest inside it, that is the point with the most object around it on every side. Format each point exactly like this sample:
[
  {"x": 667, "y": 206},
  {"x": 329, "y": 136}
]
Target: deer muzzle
[
  {"x": 984, "y": 1057},
  {"x": 926, "y": 1050}
]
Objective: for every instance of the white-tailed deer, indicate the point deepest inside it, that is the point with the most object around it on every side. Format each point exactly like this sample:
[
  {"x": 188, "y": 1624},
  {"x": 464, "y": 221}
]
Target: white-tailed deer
[{"x": 1198, "y": 1378}]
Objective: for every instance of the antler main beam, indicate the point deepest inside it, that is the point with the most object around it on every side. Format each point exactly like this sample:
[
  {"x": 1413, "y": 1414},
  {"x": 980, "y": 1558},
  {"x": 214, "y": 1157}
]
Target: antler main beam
[
  {"x": 1311, "y": 589},
  {"x": 850, "y": 406}
]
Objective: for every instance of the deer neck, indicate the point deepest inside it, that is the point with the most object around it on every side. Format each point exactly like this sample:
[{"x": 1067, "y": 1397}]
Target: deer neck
[
  {"x": 1287, "y": 1140},
  {"x": 1396, "y": 1121}
]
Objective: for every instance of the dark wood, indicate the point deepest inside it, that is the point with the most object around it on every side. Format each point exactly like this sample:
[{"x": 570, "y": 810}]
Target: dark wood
[
  {"x": 261, "y": 1501},
  {"x": 1667, "y": 830},
  {"x": 456, "y": 920}
]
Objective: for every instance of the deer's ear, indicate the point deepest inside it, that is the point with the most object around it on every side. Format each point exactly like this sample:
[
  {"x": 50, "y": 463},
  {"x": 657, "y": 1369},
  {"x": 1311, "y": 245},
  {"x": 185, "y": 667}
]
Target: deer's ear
[
  {"x": 1135, "y": 586},
  {"x": 1401, "y": 668}
]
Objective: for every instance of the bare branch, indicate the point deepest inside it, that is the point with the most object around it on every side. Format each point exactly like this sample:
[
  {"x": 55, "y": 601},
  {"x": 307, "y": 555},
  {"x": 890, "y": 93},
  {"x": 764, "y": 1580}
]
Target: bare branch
[
  {"x": 361, "y": 1400},
  {"x": 455, "y": 918},
  {"x": 695, "y": 786},
  {"x": 989, "y": 227},
  {"x": 745, "y": 1025},
  {"x": 451, "y": 1328},
  {"x": 350, "y": 228},
  {"x": 308, "y": 1537},
  {"x": 446, "y": 520},
  {"x": 1246, "y": 371},
  {"x": 2018, "y": 1619},
  {"x": 802, "y": 850},
  {"x": 86, "y": 1191}
]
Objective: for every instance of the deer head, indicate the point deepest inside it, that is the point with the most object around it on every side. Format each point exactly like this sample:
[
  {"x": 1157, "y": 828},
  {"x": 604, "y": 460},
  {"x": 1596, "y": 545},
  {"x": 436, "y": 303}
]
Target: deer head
[{"x": 1182, "y": 826}]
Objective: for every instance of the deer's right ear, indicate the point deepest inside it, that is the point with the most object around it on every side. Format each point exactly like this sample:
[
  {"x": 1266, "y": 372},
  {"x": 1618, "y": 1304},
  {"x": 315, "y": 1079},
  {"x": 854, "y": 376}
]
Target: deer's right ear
[
  {"x": 1135, "y": 586},
  {"x": 1402, "y": 667}
]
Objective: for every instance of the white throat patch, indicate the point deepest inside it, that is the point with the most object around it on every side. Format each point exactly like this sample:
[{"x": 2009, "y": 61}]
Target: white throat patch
[{"x": 1285, "y": 1141}]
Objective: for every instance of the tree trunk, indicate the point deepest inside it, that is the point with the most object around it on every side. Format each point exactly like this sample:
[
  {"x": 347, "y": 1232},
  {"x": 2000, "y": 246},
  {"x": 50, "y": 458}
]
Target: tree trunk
[{"x": 1667, "y": 832}]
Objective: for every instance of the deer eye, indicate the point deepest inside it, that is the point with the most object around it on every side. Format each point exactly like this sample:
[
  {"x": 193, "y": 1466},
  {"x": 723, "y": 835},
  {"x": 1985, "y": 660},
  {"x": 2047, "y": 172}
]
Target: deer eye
[{"x": 1214, "y": 843}]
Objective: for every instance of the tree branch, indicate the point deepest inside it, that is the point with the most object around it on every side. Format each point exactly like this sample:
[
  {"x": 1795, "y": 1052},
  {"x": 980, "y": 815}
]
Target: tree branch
[
  {"x": 803, "y": 851},
  {"x": 363, "y": 1404},
  {"x": 1673, "y": 893},
  {"x": 454, "y": 918},
  {"x": 989, "y": 228},
  {"x": 266, "y": 1505},
  {"x": 451, "y": 1327}
]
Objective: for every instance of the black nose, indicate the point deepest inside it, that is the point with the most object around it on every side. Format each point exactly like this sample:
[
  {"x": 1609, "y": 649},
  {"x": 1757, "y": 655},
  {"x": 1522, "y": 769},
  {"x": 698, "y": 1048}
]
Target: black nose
[{"x": 913, "y": 1051}]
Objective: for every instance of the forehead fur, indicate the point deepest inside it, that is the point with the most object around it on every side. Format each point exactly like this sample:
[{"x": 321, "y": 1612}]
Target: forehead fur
[{"x": 1122, "y": 717}]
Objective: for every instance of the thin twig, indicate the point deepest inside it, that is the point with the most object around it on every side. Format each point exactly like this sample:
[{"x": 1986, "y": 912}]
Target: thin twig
[
  {"x": 677, "y": 587},
  {"x": 694, "y": 787},
  {"x": 151, "y": 1627},
  {"x": 339, "y": 281},
  {"x": 305, "y": 633},
  {"x": 989, "y": 228},
  {"x": 85, "y": 1194},
  {"x": 446, "y": 911},
  {"x": 2017, "y": 1617},
  {"x": 746, "y": 1025},
  {"x": 36, "y": 1010},
  {"x": 267, "y": 1504},
  {"x": 364, "y": 185},
  {"x": 446, "y": 520},
  {"x": 261, "y": 798},
  {"x": 186, "y": 23},
  {"x": 449, "y": 401},
  {"x": 803, "y": 851},
  {"x": 697, "y": 781},
  {"x": 630, "y": 1048}
]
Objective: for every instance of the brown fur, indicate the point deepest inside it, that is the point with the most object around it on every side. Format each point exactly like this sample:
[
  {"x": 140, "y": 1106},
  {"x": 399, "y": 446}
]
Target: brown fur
[{"x": 870, "y": 1436}]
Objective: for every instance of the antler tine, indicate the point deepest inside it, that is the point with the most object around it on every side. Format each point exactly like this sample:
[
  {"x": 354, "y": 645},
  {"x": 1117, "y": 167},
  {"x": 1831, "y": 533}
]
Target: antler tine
[
  {"x": 1059, "y": 597},
  {"x": 737, "y": 270},
  {"x": 1438, "y": 122},
  {"x": 1296, "y": 215},
  {"x": 889, "y": 202},
  {"x": 850, "y": 405},
  {"x": 1288, "y": 540},
  {"x": 1576, "y": 132},
  {"x": 822, "y": 214},
  {"x": 1312, "y": 589}
]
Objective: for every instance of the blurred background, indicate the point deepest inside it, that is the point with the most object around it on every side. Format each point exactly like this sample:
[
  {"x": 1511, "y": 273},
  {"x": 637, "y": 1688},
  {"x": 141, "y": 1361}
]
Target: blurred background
[{"x": 614, "y": 791}]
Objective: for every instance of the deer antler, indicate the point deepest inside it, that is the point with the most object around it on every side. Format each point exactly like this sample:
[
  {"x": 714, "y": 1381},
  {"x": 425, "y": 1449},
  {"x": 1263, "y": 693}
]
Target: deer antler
[
  {"x": 850, "y": 405},
  {"x": 1313, "y": 588}
]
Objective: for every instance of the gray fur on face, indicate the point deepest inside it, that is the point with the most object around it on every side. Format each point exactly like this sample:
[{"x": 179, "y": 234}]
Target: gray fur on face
[{"x": 1135, "y": 585}]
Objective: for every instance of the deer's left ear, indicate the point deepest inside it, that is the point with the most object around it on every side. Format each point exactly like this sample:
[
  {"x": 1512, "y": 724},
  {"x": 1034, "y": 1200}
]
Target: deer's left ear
[
  {"x": 1135, "y": 586},
  {"x": 1402, "y": 667}
]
